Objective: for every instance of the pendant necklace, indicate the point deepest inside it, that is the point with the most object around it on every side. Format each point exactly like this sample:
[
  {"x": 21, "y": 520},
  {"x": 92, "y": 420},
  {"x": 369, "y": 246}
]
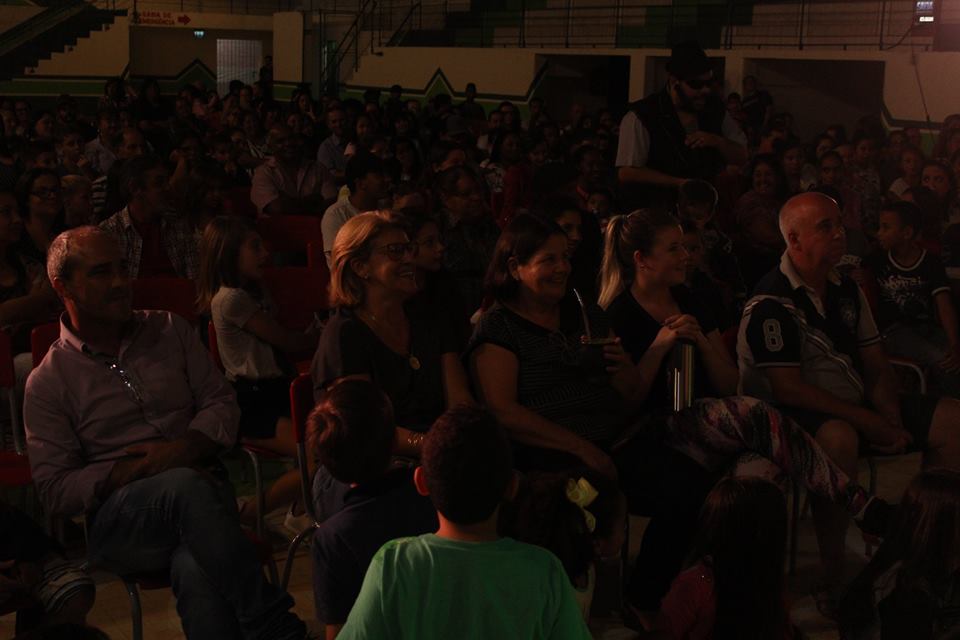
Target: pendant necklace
[{"x": 412, "y": 360}]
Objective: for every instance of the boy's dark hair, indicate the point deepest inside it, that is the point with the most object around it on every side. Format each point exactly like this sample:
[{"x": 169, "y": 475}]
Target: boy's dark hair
[
  {"x": 743, "y": 528},
  {"x": 830, "y": 154},
  {"x": 467, "y": 465},
  {"x": 910, "y": 214},
  {"x": 359, "y": 166},
  {"x": 354, "y": 429},
  {"x": 603, "y": 191},
  {"x": 830, "y": 192},
  {"x": 555, "y": 205},
  {"x": 36, "y": 148},
  {"x": 697, "y": 192}
]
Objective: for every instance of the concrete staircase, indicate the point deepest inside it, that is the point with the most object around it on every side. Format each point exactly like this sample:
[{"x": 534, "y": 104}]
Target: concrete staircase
[{"x": 54, "y": 30}]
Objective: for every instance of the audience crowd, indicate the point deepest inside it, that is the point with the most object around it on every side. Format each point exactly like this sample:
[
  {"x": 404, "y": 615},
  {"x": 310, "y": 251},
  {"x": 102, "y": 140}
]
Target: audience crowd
[{"x": 509, "y": 293}]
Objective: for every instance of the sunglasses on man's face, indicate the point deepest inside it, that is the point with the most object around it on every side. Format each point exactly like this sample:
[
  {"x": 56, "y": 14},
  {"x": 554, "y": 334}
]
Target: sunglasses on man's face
[
  {"x": 397, "y": 250},
  {"x": 698, "y": 83}
]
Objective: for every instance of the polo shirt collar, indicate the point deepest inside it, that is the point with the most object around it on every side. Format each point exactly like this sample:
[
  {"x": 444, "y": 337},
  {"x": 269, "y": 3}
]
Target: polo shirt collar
[
  {"x": 794, "y": 278},
  {"x": 127, "y": 221},
  {"x": 72, "y": 340},
  {"x": 797, "y": 283}
]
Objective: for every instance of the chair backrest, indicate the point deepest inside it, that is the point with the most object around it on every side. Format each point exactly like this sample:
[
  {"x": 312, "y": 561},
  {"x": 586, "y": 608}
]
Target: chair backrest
[
  {"x": 176, "y": 295},
  {"x": 301, "y": 404},
  {"x": 299, "y": 292},
  {"x": 294, "y": 234},
  {"x": 7, "y": 378},
  {"x": 730, "y": 339},
  {"x": 41, "y": 338},
  {"x": 212, "y": 345},
  {"x": 236, "y": 202}
]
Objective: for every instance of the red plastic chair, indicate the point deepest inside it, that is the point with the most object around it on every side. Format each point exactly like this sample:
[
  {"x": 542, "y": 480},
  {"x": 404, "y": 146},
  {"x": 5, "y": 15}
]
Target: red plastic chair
[
  {"x": 300, "y": 292},
  {"x": 301, "y": 404},
  {"x": 294, "y": 234},
  {"x": 236, "y": 202},
  {"x": 8, "y": 382},
  {"x": 176, "y": 295},
  {"x": 41, "y": 338}
]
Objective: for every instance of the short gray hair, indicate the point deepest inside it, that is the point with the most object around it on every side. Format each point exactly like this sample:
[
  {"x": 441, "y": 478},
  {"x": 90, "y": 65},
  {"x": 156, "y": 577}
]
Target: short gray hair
[
  {"x": 61, "y": 256},
  {"x": 795, "y": 207}
]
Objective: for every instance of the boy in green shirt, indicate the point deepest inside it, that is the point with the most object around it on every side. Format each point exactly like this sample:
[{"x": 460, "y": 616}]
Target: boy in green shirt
[{"x": 464, "y": 581}]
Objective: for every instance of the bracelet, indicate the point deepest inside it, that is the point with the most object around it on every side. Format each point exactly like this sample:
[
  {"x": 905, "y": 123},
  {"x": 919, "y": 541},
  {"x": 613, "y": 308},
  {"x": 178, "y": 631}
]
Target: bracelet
[{"x": 415, "y": 440}]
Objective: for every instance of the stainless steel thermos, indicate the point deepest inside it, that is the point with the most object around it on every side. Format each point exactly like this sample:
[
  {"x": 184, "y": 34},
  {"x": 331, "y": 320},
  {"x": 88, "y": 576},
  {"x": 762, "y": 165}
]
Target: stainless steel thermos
[{"x": 680, "y": 375}]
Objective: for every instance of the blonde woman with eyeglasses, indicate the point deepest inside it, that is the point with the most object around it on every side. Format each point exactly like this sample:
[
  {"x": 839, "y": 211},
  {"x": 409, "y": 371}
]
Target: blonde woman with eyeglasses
[{"x": 375, "y": 334}]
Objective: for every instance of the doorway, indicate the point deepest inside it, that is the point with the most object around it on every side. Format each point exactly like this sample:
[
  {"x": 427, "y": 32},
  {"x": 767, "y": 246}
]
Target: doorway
[{"x": 238, "y": 60}]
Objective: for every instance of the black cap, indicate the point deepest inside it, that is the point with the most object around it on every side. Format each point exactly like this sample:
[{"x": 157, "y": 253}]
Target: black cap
[{"x": 688, "y": 60}]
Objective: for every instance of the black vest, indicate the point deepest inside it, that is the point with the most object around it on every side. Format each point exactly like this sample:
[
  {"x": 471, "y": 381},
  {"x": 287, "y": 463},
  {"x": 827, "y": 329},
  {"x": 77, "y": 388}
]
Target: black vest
[{"x": 668, "y": 152}]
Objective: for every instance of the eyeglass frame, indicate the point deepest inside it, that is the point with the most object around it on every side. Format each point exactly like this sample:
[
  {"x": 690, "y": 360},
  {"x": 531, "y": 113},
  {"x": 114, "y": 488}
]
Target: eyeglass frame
[{"x": 412, "y": 248}]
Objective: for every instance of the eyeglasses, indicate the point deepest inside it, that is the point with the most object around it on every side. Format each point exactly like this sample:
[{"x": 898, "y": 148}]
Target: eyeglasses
[
  {"x": 698, "y": 83},
  {"x": 46, "y": 193},
  {"x": 397, "y": 250},
  {"x": 127, "y": 381}
]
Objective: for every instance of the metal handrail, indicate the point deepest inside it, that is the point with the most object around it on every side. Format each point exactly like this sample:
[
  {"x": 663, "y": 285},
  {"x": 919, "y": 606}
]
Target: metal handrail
[
  {"x": 350, "y": 39},
  {"x": 640, "y": 23},
  {"x": 245, "y": 7},
  {"x": 402, "y": 29},
  {"x": 38, "y": 24}
]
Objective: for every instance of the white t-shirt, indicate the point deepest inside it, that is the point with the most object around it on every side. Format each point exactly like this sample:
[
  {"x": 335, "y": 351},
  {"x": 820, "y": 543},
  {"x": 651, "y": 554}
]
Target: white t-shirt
[
  {"x": 335, "y": 217},
  {"x": 898, "y": 187},
  {"x": 243, "y": 354}
]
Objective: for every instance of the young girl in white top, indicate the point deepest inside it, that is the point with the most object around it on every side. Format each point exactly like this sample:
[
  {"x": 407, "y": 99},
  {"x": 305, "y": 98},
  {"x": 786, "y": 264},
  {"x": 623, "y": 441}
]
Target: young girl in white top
[{"x": 251, "y": 342}]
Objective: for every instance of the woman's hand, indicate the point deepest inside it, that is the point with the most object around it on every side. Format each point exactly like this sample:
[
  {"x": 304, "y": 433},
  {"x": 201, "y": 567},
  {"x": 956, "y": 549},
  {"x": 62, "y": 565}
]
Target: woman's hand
[
  {"x": 617, "y": 359},
  {"x": 686, "y": 327},
  {"x": 598, "y": 460},
  {"x": 951, "y": 363}
]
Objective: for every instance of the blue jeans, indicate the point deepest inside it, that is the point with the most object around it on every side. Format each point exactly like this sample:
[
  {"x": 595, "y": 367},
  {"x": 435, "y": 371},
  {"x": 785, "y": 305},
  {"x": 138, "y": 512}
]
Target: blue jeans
[
  {"x": 926, "y": 344},
  {"x": 187, "y": 521}
]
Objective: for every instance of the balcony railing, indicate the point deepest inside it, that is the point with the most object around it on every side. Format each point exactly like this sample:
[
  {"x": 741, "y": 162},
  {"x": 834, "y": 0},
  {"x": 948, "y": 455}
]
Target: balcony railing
[{"x": 877, "y": 24}]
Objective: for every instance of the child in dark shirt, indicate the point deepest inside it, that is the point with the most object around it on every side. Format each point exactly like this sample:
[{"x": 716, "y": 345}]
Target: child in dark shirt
[
  {"x": 911, "y": 588},
  {"x": 697, "y": 204},
  {"x": 354, "y": 434},
  {"x": 578, "y": 515},
  {"x": 735, "y": 587},
  {"x": 717, "y": 296},
  {"x": 915, "y": 310}
]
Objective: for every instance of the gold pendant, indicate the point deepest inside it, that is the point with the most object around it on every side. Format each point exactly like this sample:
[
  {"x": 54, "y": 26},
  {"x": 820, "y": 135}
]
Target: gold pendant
[{"x": 414, "y": 363}]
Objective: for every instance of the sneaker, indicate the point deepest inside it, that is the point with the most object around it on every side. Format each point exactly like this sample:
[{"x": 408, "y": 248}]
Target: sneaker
[
  {"x": 875, "y": 519},
  {"x": 297, "y": 524},
  {"x": 827, "y": 599}
]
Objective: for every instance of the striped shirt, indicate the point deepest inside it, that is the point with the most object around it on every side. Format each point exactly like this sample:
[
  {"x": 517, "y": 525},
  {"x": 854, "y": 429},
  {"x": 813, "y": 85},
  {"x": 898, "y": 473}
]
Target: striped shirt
[
  {"x": 176, "y": 235},
  {"x": 553, "y": 377},
  {"x": 786, "y": 324}
]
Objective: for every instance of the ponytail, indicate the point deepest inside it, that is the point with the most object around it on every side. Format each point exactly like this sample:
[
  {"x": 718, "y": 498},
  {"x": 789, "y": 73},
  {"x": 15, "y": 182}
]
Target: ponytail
[
  {"x": 613, "y": 271},
  {"x": 625, "y": 236}
]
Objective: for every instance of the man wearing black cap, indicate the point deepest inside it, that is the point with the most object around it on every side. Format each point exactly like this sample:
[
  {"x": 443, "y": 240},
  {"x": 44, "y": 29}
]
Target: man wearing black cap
[{"x": 679, "y": 133}]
